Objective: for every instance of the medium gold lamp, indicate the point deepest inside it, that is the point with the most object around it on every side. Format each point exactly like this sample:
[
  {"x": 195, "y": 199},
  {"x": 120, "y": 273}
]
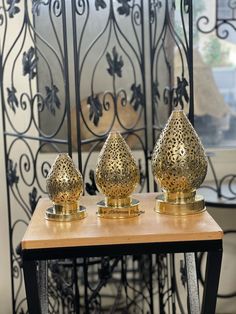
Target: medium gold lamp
[
  {"x": 179, "y": 165},
  {"x": 64, "y": 184},
  {"x": 117, "y": 176}
]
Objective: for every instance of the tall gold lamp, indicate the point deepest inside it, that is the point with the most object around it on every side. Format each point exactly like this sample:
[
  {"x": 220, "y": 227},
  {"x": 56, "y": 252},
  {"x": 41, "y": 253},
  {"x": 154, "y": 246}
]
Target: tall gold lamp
[{"x": 179, "y": 165}]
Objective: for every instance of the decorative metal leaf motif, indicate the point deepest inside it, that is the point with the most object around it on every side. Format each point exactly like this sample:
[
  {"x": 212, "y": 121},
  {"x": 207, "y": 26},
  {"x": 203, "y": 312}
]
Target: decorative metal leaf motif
[
  {"x": 58, "y": 275},
  {"x": 52, "y": 101},
  {"x": 155, "y": 5},
  {"x": 137, "y": 98},
  {"x": 156, "y": 93},
  {"x": 29, "y": 62},
  {"x": 12, "y": 178},
  {"x": 142, "y": 176},
  {"x": 181, "y": 92},
  {"x": 95, "y": 110},
  {"x": 91, "y": 188},
  {"x": 33, "y": 199},
  {"x": 12, "y": 99},
  {"x": 124, "y": 9},
  {"x": 183, "y": 272},
  {"x": 115, "y": 63},
  {"x": 13, "y": 9},
  {"x": 105, "y": 271},
  {"x": 36, "y": 6},
  {"x": 100, "y": 4}
]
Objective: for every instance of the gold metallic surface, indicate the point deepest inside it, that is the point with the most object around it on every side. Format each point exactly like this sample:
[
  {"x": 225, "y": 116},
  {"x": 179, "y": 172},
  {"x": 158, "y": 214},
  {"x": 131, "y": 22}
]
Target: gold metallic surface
[
  {"x": 118, "y": 202},
  {"x": 64, "y": 186},
  {"x": 116, "y": 176},
  {"x": 53, "y": 214},
  {"x": 179, "y": 165},
  {"x": 197, "y": 205},
  {"x": 118, "y": 212}
]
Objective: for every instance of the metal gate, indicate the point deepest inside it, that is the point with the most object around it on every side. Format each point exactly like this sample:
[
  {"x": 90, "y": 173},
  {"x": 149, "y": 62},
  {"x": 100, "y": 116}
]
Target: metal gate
[{"x": 72, "y": 71}]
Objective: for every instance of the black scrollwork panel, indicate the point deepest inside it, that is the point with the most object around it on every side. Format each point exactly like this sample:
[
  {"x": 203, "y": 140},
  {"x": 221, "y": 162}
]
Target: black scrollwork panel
[
  {"x": 35, "y": 102},
  {"x": 118, "y": 285},
  {"x": 170, "y": 50},
  {"x": 27, "y": 168},
  {"x": 223, "y": 23},
  {"x": 109, "y": 74},
  {"x": 61, "y": 287},
  {"x": 34, "y": 71},
  {"x": 110, "y": 78},
  {"x": 101, "y": 44}
]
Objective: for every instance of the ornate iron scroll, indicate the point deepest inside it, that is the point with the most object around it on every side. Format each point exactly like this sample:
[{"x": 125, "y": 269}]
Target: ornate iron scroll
[
  {"x": 112, "y": 61},
  {"x": 171, "y": 55},
  {"x": 225, "y": 19},
  {"x": 171, "y": 43},
  {"x": 30, "y": 89},
  {"x": 222, "y": 192},
  {"x": 67, "y": 79}
]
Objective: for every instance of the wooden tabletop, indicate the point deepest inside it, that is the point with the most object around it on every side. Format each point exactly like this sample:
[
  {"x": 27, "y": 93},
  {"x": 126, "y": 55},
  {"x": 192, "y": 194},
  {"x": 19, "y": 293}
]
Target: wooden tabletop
[{"x": 149, "y": 227}]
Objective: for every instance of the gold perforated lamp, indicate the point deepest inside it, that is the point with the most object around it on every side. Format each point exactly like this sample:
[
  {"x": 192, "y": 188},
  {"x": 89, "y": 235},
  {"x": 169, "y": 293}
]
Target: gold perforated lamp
[
  {"x": 179, "y": 166},
  {"x": 116, "y": 177},
  {"x": 64, "y": 185}
]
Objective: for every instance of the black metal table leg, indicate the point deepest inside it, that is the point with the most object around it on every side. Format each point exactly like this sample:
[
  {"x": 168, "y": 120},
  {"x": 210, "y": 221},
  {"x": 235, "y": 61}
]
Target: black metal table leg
[
  {"x": 31, "y": 287},
  {"x": 213, "y": 266}
]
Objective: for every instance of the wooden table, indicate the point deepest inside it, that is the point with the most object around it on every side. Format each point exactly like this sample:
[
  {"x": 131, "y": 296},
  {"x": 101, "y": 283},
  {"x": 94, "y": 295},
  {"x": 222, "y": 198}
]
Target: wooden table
[{"x": 148, "y": 233}]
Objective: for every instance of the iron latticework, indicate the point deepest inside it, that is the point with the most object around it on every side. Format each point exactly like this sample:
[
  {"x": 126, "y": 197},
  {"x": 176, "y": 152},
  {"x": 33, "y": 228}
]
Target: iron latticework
[
  {"x": 72, "y": 71},
  {"x": 223, "y": 24},
  {"x": 25, "y": 99}
]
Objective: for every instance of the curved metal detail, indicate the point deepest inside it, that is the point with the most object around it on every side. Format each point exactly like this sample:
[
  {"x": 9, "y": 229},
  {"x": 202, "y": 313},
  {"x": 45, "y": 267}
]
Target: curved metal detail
[
  {"x": 31, "y": 89},
  {"x": 119, "y": 102},
  {"x": 64, "y": 87},
  {"x": 131, "y": 287},
  {"x": 32, "y": 101},
  {"x": 170, "y": 51},
  {"x": 225, "y": 20},
  {"x": 222, "y": 191}
]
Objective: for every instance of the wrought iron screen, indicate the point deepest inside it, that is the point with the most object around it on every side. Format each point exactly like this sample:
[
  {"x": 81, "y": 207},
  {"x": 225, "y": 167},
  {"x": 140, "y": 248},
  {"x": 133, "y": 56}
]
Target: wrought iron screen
[{"x": 71, "y": 71}]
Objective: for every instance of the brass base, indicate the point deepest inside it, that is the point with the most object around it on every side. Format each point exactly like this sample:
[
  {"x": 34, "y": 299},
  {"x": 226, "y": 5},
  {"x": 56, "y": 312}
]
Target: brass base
[
  {"x": 108, "y": 209},
  {"x": 179, "y": 209},
  {"x": 52, "y": 213}
]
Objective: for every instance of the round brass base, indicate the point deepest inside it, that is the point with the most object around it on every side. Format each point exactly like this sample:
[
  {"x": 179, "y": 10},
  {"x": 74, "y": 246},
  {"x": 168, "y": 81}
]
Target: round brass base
[
  {"x": 118, "y": 212},
  {"x": 53, "y": 214},
  {"x": 179, "y": 209}
]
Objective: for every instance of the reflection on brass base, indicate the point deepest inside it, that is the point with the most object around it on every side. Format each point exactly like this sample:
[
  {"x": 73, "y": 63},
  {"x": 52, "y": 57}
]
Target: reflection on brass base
[
  {"x": 194, "y": 207},
  {"x": 107, "y": 210},
  {"x": 56, "y": 213}
]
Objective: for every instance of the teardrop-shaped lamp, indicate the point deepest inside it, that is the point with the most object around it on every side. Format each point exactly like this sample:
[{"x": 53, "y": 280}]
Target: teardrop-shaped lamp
[
  {"x": 64, "y": 184},
  {"x": 179, "y": 165},
  {"x": 117, "y": 175}
]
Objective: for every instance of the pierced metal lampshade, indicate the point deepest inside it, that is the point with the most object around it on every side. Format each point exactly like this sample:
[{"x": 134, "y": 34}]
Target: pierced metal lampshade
[
  {"x": 117, "y": 176},
  {"x": 179, "y": 165},
  {"x": 64, "y": 185}
]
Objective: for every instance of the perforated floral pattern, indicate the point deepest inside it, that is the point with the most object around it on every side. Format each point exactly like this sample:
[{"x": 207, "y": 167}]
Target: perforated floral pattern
[
  {"x": 64, "y": 181},
  {"x": 116, "y": 173},
  {"x": 179, "y": 163}
]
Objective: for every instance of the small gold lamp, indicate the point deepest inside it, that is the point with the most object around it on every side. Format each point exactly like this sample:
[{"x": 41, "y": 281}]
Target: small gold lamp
[
  {"x": 64, "y": 185},
  {"x": 117, "y": 176},
  {"x": 179, "y": 165}
]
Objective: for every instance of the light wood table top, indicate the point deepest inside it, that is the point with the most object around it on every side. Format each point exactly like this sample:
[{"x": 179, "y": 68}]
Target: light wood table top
[{"x": 149, "y": 227}]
